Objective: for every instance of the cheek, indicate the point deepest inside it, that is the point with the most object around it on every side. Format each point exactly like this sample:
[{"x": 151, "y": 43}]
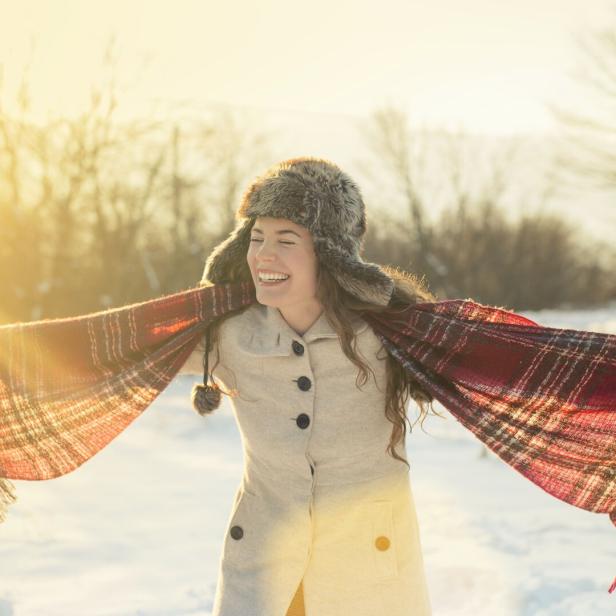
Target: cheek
[
  {"x": 305, "y": 269},
  {"x": 250, "y": 256}
]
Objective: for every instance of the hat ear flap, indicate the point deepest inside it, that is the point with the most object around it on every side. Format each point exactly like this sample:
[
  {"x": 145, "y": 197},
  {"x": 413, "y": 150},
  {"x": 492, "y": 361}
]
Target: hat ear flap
[
  {"x": 360, "y": 278},
  {"x": 227, "y": 262}
]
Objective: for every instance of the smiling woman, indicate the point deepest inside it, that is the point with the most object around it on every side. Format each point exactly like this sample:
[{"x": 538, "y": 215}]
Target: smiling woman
[{"x": 324, "y": 521}]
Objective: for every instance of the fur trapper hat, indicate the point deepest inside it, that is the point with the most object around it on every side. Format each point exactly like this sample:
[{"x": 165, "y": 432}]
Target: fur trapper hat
[
  {"x": 314, "y": 193},
  {"x": 317, "y": 194}
]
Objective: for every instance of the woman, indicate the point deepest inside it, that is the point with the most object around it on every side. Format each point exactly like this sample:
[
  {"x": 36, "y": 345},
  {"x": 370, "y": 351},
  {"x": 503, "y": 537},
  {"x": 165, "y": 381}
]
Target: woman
[{"x": 324, "y": 521}]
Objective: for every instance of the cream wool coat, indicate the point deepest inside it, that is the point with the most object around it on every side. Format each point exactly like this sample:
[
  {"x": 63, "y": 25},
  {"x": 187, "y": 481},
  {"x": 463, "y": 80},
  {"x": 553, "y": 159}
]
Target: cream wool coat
[{"x": 321, "y": 501}]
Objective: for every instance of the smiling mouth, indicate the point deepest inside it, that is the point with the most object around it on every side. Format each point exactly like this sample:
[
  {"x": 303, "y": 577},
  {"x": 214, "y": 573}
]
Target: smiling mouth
[{"x": 271, "y": 282}]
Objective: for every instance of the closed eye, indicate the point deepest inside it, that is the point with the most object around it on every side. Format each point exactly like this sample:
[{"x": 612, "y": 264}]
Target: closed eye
[{"x": 254, "y": 239}]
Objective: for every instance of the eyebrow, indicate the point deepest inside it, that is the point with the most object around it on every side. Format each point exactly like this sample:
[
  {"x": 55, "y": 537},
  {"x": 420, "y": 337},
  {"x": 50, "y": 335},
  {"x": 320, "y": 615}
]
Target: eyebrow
[{"x": 280, "y": 232}]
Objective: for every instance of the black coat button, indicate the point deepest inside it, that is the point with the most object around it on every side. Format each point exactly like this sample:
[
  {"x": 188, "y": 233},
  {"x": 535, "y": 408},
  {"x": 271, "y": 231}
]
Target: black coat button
[
  {"x": 302, "y": 420},
  {"x": 298, "y": 347},
  {"x": 304, "y": 383},
  {"x": 237, "y": 532}
]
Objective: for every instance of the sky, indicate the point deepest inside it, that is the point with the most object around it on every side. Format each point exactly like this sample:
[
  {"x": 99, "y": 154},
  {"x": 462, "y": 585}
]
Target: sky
[{"x": 485, "y": 66}]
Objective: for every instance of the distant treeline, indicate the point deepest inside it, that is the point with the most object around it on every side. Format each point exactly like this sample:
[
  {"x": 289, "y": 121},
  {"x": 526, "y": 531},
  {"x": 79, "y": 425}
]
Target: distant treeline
[{"x": 95, "y": 213}]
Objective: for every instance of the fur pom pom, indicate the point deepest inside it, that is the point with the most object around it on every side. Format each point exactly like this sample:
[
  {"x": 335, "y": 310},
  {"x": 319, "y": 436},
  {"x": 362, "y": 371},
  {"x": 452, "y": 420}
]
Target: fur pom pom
[{"x": 205, "y": 398}]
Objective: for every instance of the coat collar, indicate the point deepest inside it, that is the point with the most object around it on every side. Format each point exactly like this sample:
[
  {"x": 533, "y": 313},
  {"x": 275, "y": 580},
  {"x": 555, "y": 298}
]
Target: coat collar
[{"x": 265, "y": 331}]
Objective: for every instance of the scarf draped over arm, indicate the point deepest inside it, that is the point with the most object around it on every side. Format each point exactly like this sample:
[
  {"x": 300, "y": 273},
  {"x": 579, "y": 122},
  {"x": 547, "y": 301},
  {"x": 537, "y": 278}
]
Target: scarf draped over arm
[
  {"x": 69, "y": 386},
  {"x": 543, "y": 399}
]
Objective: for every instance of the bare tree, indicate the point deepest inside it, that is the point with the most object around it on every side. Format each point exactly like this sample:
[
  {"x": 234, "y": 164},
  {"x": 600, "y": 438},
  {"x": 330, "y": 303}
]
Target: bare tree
[
  {"x": 212, "y": 161},
  {"x": 401, "y": 158},
  {"x": 97, "y": 212},
  {"x": 475, "y": 248},
  {"x": 453, "y": 168}
]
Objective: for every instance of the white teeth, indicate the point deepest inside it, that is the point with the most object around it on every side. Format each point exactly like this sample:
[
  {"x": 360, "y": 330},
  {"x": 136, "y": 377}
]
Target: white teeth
[{"x": 271, "y": 277}]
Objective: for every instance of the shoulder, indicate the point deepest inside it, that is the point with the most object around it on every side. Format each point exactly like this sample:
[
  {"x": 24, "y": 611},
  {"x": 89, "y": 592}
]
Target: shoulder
[{"x": 236, "y": 330}]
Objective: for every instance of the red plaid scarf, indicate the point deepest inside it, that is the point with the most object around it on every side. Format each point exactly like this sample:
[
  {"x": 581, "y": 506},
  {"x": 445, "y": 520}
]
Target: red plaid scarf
[{"x": 543, "y": 399}]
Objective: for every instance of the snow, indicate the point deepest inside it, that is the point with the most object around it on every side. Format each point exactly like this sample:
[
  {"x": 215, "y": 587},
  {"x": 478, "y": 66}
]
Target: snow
[{"x": 138, "y": 529}]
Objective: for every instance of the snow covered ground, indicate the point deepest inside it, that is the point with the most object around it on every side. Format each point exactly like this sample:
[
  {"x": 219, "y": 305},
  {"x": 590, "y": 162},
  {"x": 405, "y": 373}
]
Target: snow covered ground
[{"x": 138, "y": 529}]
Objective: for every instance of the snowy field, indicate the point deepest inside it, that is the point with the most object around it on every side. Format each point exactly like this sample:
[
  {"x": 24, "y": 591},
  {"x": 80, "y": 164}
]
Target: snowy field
[{"x": 138, "y": 529}]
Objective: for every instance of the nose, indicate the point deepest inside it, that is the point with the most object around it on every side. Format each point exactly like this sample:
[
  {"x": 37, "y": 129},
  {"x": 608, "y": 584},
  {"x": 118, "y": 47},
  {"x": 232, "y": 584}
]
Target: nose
[{"x": 263, "y": 253}]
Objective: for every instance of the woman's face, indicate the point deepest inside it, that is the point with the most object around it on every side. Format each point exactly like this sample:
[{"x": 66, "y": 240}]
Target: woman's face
[{"x": 278, "y": 245}]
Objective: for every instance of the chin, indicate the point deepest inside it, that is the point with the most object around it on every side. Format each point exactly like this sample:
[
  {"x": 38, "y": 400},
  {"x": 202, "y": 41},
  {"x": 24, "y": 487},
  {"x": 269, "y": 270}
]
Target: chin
[{"x": 268, "y": 301}]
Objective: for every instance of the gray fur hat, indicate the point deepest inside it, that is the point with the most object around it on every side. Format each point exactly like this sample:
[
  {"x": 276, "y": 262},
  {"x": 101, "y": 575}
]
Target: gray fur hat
[{"x": 317, "y": 194}]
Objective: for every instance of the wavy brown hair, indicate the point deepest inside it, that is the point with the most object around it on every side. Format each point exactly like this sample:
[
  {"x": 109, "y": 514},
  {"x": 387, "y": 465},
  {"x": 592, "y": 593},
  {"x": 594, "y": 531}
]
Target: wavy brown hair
[{"x": 339, "y": 307}]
